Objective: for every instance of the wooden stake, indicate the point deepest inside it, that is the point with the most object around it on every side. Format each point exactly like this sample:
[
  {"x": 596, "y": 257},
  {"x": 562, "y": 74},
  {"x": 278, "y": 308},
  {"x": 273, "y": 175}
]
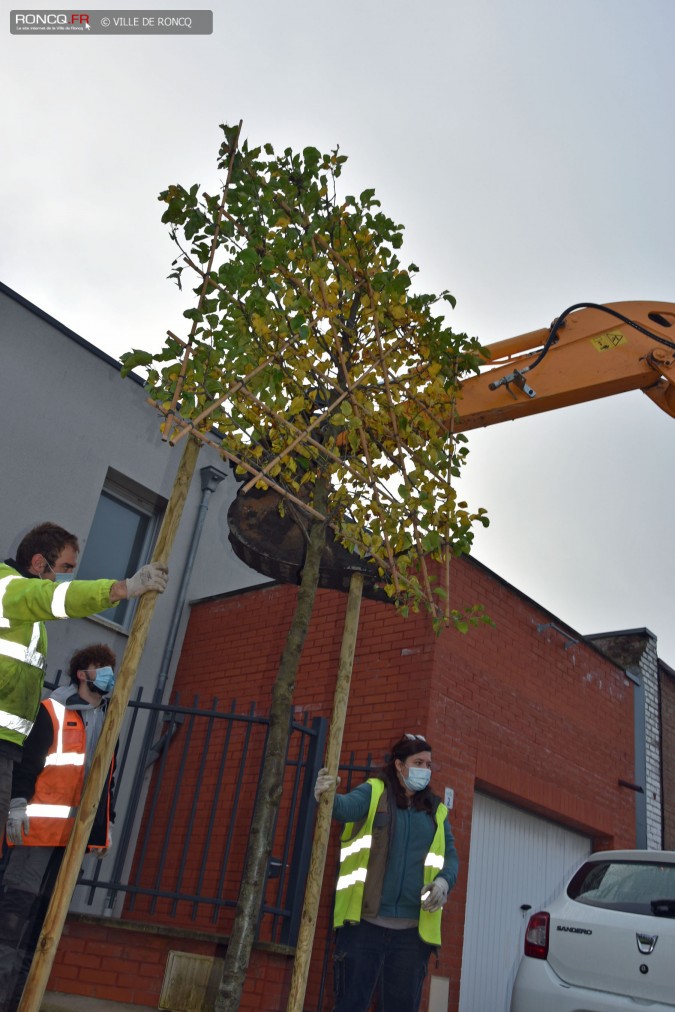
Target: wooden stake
[
  {"x": 43, "y": 960},
  {"x": 303, "y": 950}
]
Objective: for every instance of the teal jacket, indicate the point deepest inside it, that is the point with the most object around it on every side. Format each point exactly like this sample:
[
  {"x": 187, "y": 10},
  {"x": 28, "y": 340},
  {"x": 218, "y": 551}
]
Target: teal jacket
[
  {"x": 25, "y": 604},
  {"x": 412, "y": 833}
]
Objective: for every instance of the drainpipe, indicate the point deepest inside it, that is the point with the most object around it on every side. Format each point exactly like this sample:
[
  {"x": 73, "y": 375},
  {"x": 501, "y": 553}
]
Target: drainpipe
[
  {"x": 210, "y": 478},
  {"x": 640, "y": 719}
]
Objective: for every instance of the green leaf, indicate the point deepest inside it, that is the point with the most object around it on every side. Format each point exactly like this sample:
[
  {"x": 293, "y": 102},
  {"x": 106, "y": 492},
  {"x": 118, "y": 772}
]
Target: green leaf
[
  {"x": 367, "y": 200},
  {"x": 312, "y": 156},
  {"x": 131, "y": 359}
]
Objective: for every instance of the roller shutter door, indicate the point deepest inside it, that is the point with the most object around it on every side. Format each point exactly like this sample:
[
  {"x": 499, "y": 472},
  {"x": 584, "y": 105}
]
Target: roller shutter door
[{"x": 516, "y": 860}]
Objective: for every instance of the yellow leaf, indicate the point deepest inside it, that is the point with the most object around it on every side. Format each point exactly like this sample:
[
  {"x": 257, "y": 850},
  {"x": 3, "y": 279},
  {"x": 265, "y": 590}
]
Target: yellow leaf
[{"x": 297, "y": 405}]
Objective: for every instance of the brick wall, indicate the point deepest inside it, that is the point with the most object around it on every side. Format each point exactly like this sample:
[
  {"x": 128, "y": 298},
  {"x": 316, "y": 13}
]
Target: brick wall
[
  {"x": 652, "y": 746},
  {"x": 636, "y": 651},
  {"x": 520, "y": 711},
  {"x": 126, "y": 963}
]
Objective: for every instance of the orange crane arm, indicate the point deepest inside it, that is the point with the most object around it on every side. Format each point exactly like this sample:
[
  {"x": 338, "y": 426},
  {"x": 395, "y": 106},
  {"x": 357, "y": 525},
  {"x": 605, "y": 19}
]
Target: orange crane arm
[{"x": 592, "y": 354}]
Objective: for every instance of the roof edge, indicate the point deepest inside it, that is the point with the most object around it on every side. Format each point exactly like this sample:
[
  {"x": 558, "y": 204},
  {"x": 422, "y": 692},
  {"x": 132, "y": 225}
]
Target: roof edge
[{"x": 67, "y": 332}]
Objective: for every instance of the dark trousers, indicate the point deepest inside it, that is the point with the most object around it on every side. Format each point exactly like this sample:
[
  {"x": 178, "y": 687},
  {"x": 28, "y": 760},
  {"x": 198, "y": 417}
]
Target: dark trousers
[
  {"x": 28, "y": 879},
  {"x": 6, "y": 768},
  {"x": 370, "y": 960}
]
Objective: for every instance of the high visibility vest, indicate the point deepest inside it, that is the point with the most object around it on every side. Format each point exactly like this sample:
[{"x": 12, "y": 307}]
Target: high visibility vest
[
  {"x": 355, "y": 854},
  {"x": 22, "y": 662},
  {"x": 24, "y": 606},
  {"x": 58, "y": 789}
]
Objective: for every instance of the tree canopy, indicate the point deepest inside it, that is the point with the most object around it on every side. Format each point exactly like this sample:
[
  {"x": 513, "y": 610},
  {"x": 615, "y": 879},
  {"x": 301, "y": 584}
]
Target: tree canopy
[{"x": 314, "y": 360}]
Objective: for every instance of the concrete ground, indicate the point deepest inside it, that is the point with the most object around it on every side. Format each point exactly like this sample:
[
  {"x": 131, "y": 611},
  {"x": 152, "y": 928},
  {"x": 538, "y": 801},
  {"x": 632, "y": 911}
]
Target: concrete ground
[{"x": 53, "y": 1001}]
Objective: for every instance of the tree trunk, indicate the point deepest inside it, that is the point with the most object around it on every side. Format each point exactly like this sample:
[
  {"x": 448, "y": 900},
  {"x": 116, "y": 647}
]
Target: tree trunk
[{"x": 269, "y": 792}]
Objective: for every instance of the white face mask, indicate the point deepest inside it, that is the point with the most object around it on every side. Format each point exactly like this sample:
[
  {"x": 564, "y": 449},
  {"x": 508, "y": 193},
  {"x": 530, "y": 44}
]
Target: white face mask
[{"x": 418, "y": 778}]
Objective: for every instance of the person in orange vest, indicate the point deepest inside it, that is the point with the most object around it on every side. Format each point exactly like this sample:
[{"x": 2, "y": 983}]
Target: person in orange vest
[{"x": 46, "y": 790}]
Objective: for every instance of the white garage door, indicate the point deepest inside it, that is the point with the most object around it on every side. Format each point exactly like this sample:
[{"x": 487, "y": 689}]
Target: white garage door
[{"x": 516, "y": 861}]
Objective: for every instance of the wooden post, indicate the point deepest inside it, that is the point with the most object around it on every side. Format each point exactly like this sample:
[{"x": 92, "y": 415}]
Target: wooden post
[
  {"x": 303, "y": 950},
  {"x": 43, "y": 960}
]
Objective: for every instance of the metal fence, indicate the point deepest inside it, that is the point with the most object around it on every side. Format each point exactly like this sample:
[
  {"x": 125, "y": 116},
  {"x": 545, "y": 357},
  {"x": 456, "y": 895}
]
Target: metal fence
[
  {"x": 189, "y": 794},
  {"x": 195, "y": 819}
]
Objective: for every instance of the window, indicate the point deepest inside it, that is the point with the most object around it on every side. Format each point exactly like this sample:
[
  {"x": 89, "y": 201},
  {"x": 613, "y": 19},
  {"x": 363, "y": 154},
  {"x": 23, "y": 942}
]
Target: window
[
  {"x": 121, "y": 537},
  {"x": 641, "y": 887}
]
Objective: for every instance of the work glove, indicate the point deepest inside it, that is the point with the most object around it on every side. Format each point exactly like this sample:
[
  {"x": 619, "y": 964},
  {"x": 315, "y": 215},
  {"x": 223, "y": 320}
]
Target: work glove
[
  {"x": 154, "y": 576},
  {"x": 324, "y": 782},
  {"x": 101, "y": 852},
  {"x": 434, "y": 895},
  {"x": 17, "y": 820}
]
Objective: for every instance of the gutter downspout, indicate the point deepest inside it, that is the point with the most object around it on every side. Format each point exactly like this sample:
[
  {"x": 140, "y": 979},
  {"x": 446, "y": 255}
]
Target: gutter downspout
[
  {"x": 640, "y": 720},
  {"x": 210, "y": 479}
]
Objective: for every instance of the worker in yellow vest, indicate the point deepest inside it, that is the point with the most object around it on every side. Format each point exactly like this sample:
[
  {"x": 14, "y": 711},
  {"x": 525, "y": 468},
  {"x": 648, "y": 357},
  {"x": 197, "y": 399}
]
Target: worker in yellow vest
[
  {"x": 36, "y": 587},
  {"x": 397, "y": 865}
]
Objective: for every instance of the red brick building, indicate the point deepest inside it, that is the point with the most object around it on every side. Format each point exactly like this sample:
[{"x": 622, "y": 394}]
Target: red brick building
[{"x": 524, "y": 712}]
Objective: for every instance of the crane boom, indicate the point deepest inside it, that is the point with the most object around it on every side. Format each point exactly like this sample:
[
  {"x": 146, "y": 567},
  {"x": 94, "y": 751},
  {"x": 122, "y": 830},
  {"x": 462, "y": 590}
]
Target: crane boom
[{"x": 594, "y": 353}]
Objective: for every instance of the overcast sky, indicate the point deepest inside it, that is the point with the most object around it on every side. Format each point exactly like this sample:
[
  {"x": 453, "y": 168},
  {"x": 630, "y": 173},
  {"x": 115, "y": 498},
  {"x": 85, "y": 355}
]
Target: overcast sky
[{"x": 527, "y": 146}]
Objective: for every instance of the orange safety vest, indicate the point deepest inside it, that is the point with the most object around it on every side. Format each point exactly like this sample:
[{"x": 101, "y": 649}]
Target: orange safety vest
[{"x": 58, "y": 789}]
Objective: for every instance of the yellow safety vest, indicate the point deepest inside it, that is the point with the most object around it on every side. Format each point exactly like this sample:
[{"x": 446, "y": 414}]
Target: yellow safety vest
[
  {"x": 24, "y": 606},
  {"x": 355, "y": 855}
]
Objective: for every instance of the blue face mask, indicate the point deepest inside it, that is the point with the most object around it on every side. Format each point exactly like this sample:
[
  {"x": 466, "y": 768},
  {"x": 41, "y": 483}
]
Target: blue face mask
[
  {"x": 418, "y": 778},
  {"x": 105, "y": 680},
  {"x": 61, "y": 577}
]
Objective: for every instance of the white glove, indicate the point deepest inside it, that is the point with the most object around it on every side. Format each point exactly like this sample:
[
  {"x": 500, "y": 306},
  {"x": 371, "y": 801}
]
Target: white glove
[
  {"x": 154, "y": 576},
  {"x": 324, "y": 782},
  {"x": 102, "y": 851},
  {"x": 434, "y": 895},
  {"x": 17, "y": 820}
]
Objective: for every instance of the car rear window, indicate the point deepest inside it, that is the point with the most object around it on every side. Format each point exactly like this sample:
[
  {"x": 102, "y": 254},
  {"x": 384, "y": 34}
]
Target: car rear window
[{"x": 636, "y": 887}]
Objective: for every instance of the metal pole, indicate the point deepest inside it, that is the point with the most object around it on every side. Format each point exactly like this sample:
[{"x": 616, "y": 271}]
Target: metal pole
[
  {"x": 303, "y": 950},
  {"x": 43, "y": 960}
]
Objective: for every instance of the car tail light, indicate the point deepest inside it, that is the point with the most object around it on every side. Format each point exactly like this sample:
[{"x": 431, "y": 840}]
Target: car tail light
[{"x": 536, "y": 936}]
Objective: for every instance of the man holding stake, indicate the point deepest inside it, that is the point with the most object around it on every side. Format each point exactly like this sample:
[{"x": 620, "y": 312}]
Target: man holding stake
[{"x": 40, "y": 586}]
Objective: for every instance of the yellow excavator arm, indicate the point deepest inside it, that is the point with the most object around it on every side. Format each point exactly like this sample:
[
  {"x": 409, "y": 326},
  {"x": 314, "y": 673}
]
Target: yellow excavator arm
[{"x": 591, "y": 351}]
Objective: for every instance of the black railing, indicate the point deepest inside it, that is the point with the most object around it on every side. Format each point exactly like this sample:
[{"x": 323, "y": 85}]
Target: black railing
[
  {"x": 203, "y": 765},
  {"x": 195, "y": 816}
]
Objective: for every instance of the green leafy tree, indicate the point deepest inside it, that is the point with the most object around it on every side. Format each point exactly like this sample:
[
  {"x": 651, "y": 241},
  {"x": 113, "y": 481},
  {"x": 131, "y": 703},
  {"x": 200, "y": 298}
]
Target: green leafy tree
[{"x": 331, "y": 381}]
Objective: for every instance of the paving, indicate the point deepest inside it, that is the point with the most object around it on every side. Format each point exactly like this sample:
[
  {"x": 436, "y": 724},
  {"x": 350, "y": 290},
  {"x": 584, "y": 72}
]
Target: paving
[{"x": 54, "y": 1001}]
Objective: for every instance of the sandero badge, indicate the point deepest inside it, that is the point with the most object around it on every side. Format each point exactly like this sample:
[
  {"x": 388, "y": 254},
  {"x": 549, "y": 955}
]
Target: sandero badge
[{"x": 646, "y": 943}]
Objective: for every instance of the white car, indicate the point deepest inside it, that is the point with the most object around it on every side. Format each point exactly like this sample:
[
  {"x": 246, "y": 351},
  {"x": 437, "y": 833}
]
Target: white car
[{"x": 608, "y": 943}]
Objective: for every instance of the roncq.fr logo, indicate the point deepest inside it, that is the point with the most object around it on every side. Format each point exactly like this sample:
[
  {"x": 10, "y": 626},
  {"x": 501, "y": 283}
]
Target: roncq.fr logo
[{"x": 50, "y": 18}]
